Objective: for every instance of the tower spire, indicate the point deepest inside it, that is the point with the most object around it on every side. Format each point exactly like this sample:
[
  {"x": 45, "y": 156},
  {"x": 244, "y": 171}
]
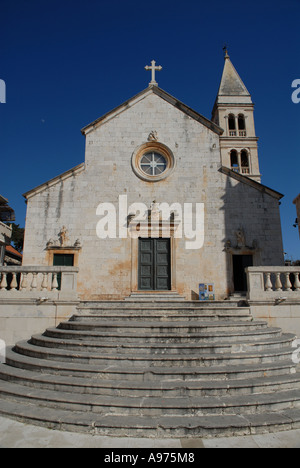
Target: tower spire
[
  {"x": 225, "y": 49},
  {"x": 233, "y": 111}
]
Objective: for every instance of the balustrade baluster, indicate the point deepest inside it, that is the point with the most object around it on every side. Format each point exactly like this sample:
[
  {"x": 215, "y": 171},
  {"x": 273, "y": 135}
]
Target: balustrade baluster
[
  {"x": 288, "y": 284},
  {"x": 34, "y": 282},
  {"x": 297, "y": 282},
  {"x": 45, "y": 282},
  {"x": 3, "y": 284},
  {"x": 278, "y": 283},
  {"x": 268, "y": 284},
  {"x": 14, "y": 282},
  {"x": 54, "y": 282},
  {"x": 24, "y": 282}
]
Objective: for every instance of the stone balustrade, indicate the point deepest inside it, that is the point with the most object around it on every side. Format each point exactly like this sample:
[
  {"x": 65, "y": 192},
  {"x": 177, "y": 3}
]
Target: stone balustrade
[
  {"x": 278, "y": 283},
  {"x": 31, "y": 281}
]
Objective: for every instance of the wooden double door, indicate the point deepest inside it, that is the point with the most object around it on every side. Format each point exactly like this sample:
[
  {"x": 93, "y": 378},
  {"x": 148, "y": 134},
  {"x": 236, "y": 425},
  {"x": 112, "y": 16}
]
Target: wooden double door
[{"x": 154, "y": 272}]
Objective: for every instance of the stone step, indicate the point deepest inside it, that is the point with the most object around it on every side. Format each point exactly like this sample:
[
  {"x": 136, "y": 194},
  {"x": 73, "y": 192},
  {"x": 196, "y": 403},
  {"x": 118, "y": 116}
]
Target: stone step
[
  {"x": 157, "y": 296},
  {"x": 151, "y": 406},
  {"x": 163, "y": 349},
  {"x": 162, "y": 327},
  {"x": 142, "y": 374},
  {"x": 162, "y": 388},
  {"x": 159, "y": 427},
  {"x": 161, "y": 315},
  {"x": 151, "y": 337},
  {"x": 141, "y": 360},
  {"x": 174, "y": 305}
]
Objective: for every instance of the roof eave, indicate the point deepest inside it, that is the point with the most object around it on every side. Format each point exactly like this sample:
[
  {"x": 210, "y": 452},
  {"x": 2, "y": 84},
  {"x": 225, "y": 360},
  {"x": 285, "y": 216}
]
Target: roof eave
[
  {"x": 164, "y": 95},
  {"x": 54, "y": 181},
  {"x": 246, "y": 180}
]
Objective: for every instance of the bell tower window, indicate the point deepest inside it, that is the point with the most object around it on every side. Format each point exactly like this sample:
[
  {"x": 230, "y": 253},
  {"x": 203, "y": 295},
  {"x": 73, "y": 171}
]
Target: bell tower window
[
  {"x": 245, "y": 162},
  {"x": 240, "y": 162},
  {"x": 231, "y": 125},
  {"x": 234, "y": 161},
  {"x": 242, "y": 125}
]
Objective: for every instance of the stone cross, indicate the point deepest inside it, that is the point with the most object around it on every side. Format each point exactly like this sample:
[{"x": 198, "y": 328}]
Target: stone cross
[{"x": 153, "y": 69}]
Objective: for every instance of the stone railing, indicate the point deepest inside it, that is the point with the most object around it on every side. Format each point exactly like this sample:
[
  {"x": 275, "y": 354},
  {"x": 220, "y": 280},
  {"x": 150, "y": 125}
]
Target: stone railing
[
  {"x": 273, "y": 283},
  {"x": 43, "y": 282}
]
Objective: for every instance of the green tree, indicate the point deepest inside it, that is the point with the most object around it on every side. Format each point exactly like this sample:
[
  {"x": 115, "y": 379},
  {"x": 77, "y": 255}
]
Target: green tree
[{"x": 17, "y": 236}]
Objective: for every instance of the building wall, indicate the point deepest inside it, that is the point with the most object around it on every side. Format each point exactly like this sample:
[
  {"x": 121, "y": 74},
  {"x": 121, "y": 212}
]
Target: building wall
[{"x": 105, "y": 265}]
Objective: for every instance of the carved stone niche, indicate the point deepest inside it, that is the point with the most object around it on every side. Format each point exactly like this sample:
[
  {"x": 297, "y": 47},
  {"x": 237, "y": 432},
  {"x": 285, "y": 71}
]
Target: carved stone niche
[
  {"x": 240, "y": 246},
  {"x": 63, "y": 241}
]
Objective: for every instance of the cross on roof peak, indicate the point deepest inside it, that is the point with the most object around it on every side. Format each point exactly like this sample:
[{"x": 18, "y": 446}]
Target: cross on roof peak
[{"x": 153, "y": 69}]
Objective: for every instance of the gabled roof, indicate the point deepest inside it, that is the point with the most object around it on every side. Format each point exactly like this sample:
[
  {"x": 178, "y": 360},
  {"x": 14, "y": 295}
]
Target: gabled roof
[
  {"x": 55, "y": 180},
  {"x": 252, "y": 183},
  {"x": 163, "y": 95}
]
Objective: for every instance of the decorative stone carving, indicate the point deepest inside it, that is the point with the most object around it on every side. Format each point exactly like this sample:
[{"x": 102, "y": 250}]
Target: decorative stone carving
[
  {"x": 240, "y": 237},
  {"x": 153, "y": 136},
  {"x": 63, "y": 241},
  {"x": 64, "y": 237},
  {"x": 78, "y": 244},
  {"x": 240, "y": 246}
]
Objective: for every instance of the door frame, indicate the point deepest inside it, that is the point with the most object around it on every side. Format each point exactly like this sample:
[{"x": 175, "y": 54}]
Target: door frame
[
  {"x": 154, "y": 264},
  {"x": 135, "y": 255}
]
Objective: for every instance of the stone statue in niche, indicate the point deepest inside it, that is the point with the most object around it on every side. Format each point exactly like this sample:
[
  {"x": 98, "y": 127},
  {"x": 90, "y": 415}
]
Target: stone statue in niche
[
  {"x": 240, "y": 237},
  {"x": 64, "y": 237}
]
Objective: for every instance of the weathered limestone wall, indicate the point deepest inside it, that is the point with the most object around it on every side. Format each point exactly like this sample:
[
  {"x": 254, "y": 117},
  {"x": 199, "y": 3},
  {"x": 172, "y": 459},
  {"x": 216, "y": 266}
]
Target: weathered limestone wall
[
  {"x": 105, "y": 266},
  {"x": 21, "y": 318}
]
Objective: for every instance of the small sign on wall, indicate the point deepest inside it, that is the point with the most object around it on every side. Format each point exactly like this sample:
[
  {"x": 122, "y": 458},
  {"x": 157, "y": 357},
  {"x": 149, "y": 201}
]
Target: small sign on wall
[{"x": 206, "y": 292}]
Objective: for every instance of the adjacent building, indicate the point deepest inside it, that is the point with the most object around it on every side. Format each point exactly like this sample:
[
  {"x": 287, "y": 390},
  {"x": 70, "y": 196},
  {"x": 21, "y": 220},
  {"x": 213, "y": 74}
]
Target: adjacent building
[{"x": 6, "y": 215}]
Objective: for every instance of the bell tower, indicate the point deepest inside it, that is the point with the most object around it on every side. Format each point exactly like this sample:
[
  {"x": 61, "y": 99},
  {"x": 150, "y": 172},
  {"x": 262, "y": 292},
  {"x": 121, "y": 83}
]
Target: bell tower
[{"x": 233, "y": 111}]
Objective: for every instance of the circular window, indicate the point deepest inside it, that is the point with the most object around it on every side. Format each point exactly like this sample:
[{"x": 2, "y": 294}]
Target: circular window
[{"x": 153, "y": 162}]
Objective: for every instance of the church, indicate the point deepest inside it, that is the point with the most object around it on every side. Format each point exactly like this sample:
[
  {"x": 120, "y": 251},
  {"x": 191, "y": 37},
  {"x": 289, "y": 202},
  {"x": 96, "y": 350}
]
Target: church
[
  {"x": 128, "y": 261},
  {"x": 165, "y": 200}
]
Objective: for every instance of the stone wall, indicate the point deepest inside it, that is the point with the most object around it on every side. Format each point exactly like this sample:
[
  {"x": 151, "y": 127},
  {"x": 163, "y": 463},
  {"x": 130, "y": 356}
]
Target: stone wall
[{"x": 105, "y": 266}]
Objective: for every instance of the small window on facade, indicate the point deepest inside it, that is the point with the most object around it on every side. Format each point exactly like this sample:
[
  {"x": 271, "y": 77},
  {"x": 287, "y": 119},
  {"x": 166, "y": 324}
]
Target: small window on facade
[
  {"x": 231, "y": 122},
  {"x": 241, "y": 122}
]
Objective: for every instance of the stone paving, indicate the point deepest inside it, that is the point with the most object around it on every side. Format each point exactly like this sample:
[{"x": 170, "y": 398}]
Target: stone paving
[{"x": 18, "y": 435}]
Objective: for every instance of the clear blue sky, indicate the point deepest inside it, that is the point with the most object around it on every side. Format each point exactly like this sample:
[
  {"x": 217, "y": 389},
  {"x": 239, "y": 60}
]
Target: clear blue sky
[{"x": 67, "y": 62}]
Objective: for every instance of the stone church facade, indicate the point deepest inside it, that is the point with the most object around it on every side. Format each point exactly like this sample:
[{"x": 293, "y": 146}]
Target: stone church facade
[{"x": 155, "y": 150}]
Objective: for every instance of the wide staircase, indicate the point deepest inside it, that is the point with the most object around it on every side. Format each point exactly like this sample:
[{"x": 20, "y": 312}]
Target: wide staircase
[{"x": 155, "y": 369}]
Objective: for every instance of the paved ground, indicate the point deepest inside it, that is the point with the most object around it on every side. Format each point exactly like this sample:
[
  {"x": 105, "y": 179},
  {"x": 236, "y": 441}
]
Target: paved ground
[{"x": 17, "y": 435}]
